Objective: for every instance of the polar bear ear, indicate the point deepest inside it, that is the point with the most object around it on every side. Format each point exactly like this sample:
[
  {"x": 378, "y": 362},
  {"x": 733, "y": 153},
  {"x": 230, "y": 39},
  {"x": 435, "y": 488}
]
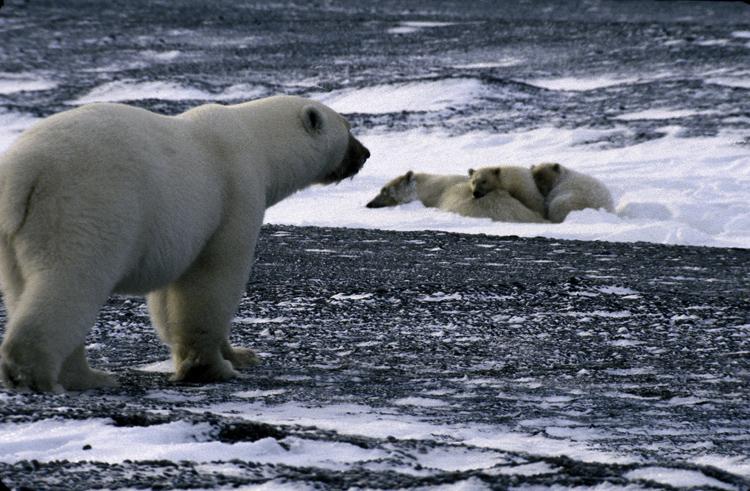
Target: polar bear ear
[
  {"x": 410, "y": 176},
  {"x": 471, "y": 172},
  {"x": 556, "y": 167},
  {"x": 312, "y": 118}
]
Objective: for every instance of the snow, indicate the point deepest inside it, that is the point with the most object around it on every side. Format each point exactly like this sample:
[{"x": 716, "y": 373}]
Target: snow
[
  {"x": 409, "y": 27},
  {"x": 664, "y": 113},
  {"x": 413, "y": 96},
  {"x": 357, "y": 419},
  {"x": 669, "y": 190},
  {"x": 580, "y": 84},
  {"x": 739, "y": 82},
  {"x": 130, "y": 90},
  {"x": 18, "y": 82},
  {"x": 50, "y": 440},
  {"x": 501, "y": 63},
  {"x": 679, "y": 478},
  {"x": 420, "y": 402}
]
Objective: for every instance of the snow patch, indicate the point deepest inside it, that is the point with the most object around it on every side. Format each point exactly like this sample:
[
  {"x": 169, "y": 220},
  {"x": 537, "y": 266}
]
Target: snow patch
[
  {"x": 11, "y": 83},
  {"x": 670, "y": 190},
  {"x": 131, "y": 90},
  {"x": 354, "y": 419},
  {"x": 679, "y": 478},
  {"x": 412, "y": 96},
  {"x": 664, "y": 113},
  {"x": 50, "y": 440},
  {"x": 580, "y": 84},
  {"x": 164, "y": 366},
  {"x": 420, "y": 401},
  {"x": 440, "y": 297},
  {"x": 409, "y": 27}
]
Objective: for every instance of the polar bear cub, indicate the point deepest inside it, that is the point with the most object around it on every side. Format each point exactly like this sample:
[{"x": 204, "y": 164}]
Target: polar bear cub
[
  {"x": 517, "y": 181},
  {"x": 566, "y": 190},
  {"x": 111, "y": 198},
  {"x": 452, "y": 193}
]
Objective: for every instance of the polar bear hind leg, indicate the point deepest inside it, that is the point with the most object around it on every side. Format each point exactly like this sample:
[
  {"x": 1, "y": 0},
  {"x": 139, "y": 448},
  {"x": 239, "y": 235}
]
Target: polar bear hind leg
[
  {"x": 46, "y": 332},
  {"x": 77, "y": 375},
  {"x": 562, "y": 205}
]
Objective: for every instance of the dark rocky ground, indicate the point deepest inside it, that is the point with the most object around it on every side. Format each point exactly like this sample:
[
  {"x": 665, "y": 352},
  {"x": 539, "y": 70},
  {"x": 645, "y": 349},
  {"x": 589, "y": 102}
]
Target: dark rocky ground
[
  {"x": 672, "y": 47},
  {"x": 636, "y": 350},
  {"x": 646, "y": 345}
]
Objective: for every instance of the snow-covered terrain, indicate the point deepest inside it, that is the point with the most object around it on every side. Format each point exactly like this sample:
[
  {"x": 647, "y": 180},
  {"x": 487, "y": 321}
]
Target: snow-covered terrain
[{"x": 671, "y": 190}]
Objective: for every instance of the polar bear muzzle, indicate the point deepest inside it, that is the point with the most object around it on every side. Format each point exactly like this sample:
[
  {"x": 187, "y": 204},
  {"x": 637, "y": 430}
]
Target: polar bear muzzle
[{"x": 355, "y": 157}]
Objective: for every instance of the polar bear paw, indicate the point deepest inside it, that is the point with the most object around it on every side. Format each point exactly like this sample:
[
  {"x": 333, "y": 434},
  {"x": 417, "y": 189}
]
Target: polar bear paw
[
  {"x": 196, "y": 370},
  {"x": 240, "y": 357},
  {"x": 16, "y": 377},
  {"x": 92, "y": 379}
]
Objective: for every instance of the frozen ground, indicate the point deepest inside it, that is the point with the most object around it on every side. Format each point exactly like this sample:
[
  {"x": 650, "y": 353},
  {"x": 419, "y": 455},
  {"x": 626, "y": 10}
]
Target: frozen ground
[
  {"x": 430, "y": 360},
  {"x": 419, "y": 360}
]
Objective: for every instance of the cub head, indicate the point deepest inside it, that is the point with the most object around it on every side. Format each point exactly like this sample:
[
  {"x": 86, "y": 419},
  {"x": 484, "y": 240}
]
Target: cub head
[
  {"x": 546, "y": 176},
  {"x": 331, "y": 134},
  {"x": 402, "y": 189},
  {"x": 484, "y": 180}
]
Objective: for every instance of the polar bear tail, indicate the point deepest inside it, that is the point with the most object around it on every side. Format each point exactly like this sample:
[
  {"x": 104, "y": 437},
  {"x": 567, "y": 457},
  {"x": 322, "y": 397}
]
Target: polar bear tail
[{"x": 16, "y": 192}]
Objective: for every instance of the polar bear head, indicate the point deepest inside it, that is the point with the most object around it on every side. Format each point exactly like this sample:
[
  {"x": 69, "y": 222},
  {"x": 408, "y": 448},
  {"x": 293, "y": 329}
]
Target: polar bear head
[
  {"x": 484, "y": 180},
  {"x": 402, "y": 189},
  {"x": 546, "y": 176},
  {"x": 311, "y": 143},
  {"x": 325, "y": 125}
]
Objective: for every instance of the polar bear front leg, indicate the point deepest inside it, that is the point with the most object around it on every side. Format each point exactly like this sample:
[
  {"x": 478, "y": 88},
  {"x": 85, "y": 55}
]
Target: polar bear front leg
[
  {"x": 239, "y": 357},
  {"x": 195, "y": 327},
  {"x": 193, "y": 316}
]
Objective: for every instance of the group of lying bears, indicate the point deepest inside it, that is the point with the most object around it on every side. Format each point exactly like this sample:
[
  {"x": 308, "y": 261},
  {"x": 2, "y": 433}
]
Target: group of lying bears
[{"x": 543, "y": 193}]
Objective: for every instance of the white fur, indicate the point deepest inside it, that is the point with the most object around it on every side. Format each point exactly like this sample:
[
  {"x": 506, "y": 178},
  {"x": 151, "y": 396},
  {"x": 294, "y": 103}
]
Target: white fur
[
  {"x": 110, "y": 198},
  {"x": 517, "y": 180},
  {"x": 453, "y": 193},
  {"x": 576, "y": 191},
  {"x": 497, "y": 205}
]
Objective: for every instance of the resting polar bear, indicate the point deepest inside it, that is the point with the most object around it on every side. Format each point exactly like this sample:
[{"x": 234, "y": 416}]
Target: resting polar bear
[
  {"x": 452, "y": 193},
  {"x": 516, "y": 180},
  {"x": 111, "y": 198},
  {"x": 566, "y": 190}
]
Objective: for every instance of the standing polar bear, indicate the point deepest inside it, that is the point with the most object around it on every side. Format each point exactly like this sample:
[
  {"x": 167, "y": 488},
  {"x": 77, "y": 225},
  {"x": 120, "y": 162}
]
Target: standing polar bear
[
  {"x": 111, "y": 198},
  {"x": 517, "y": 181},
  {"x": 566, "y": 190},
  {"x": 452, "y": 193}
]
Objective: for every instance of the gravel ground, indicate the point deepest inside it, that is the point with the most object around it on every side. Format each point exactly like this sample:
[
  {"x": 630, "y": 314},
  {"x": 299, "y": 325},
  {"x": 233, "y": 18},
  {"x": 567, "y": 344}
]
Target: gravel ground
[{"x": 641, "y": 350}]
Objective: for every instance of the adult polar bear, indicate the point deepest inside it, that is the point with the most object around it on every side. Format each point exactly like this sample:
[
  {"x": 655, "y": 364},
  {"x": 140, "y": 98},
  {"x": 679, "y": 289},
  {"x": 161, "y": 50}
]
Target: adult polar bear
[{"x": 111, "y": 198}]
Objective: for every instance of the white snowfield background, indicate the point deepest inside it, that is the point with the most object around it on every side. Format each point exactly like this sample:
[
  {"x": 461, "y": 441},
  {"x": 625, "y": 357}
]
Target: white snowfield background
[{"x": 671, "y": 190}]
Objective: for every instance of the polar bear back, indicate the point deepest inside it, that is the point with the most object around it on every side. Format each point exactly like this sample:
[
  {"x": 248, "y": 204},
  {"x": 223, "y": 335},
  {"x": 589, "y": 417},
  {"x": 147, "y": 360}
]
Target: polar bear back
[
  {"x": 497, "y": 205},
  {"x": 95, "y": 160},
  {"x": 519, "y": 182},
  {"x": 576, "y": 191},
  {"x": 432, "y": 188}
]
